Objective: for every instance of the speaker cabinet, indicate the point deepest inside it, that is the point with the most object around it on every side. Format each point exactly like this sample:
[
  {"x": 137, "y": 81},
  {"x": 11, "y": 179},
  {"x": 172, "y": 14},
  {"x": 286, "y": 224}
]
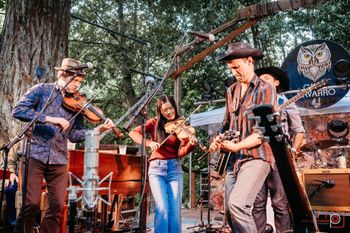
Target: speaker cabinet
[{"x": 328, "y": 189}]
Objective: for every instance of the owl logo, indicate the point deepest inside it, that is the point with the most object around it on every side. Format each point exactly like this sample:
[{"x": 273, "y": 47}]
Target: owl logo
[
  {"x": 314, "y": 61},
  {"x": 316, "y": 102}
]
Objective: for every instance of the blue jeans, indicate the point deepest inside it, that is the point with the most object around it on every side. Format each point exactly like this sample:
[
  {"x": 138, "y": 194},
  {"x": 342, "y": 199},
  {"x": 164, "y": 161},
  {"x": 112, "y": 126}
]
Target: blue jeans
[
  {"x": 166, "y": 181},
  {"x": 241, "y": 190}
]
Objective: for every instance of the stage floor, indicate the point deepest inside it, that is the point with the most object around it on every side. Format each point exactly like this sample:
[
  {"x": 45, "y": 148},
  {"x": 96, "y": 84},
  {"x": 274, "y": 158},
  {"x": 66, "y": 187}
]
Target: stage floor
[{"x": 191, "y": 220}]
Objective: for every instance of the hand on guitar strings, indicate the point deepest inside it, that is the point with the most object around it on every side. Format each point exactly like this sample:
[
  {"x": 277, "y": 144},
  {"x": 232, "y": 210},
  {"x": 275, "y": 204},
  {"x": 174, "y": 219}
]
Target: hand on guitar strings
[{"x": 215, "y": 145}]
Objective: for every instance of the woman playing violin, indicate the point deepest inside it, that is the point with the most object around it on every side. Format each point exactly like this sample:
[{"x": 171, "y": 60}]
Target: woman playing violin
[
  {"x": 165, "y": 172},
  {"x": 48, "y": 152}
]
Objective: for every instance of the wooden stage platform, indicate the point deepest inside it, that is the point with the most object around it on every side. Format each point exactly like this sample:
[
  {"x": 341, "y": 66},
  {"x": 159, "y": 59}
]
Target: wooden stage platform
[{"x": 191, "y": 218}]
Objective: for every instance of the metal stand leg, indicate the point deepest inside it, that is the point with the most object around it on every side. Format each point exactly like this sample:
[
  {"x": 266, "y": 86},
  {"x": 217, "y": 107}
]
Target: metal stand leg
[
  {"x": 88, "y": 221},
  {"x": 201, "y": 226},
  {"x": 72, "y": 214}
]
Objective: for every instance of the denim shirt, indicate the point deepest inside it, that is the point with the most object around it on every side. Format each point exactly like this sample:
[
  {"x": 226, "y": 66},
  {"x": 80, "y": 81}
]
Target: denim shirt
[{"x": 49, "y": 142}]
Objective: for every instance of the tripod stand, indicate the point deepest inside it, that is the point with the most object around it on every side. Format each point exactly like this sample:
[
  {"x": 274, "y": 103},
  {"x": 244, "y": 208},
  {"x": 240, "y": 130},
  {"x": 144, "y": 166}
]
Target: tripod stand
[{"x": 201, "y": 227}]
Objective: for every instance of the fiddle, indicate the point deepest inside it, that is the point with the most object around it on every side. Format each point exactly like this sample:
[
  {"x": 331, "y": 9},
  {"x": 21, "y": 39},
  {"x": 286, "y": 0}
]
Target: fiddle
[
  {"x": 77, "y": 102},
  {"x": 180, "y": 128},
  {"x": 182, "y": 131}
]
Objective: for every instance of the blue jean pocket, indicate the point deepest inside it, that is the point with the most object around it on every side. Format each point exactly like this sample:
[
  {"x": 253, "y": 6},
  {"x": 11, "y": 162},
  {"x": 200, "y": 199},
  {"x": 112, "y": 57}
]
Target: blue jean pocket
[
  {"x": 157, "y": 167},
  {"x": 164, "y": 167}
]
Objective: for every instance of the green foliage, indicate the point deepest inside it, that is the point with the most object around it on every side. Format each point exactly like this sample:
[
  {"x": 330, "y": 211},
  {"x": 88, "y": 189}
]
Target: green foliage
[
  {"x": 331, "y": 21},
  {"x": 163, "y": 24}
]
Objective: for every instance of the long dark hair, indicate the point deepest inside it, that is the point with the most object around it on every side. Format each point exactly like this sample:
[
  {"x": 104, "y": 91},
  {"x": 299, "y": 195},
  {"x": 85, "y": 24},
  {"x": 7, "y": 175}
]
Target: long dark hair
[{"x": 161, "y": 120}]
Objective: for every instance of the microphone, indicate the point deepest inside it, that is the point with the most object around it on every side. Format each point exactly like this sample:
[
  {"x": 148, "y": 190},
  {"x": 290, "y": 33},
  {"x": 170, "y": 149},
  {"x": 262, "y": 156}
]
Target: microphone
[
  {"x": 152, "y": 81},
  {"x": 91, "y": 164},
  {"x": 327, "y": 183},
  {"x": 149, "y": 80},
  {"x": 202, "y": 35},
  {"x": 87, "y": 65}
]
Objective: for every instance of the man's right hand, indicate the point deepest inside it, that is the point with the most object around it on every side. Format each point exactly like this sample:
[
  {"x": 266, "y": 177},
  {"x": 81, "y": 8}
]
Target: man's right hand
[
  {"x": 11, "y": 180},
  {"x": 215, "y": 145},
  {"x": 58, "y": 121}
]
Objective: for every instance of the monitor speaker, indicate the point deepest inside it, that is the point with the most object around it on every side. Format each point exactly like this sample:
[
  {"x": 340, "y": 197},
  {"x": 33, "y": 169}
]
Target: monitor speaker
[{"x": 328, "y": 189}]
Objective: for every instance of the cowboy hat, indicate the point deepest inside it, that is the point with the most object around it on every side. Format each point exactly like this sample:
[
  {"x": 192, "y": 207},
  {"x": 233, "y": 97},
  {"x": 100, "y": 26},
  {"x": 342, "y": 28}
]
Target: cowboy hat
[
  {"x": 278, "y": 74},
  {"x": 68, "y": 63},
  {"x": 240, "y": 50}
]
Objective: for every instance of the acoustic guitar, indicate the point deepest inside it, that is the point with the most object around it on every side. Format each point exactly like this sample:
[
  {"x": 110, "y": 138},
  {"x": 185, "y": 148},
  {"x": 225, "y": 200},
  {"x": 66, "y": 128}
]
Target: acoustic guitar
[
  {"x": 219, "y": 165},
  {"x": 303, "y": 217}
]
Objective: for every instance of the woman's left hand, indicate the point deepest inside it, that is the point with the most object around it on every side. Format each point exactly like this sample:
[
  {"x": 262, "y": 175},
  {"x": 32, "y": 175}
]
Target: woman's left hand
[
  {"x": 108, "y": 124},
  {"x": 193, "y": 140}
]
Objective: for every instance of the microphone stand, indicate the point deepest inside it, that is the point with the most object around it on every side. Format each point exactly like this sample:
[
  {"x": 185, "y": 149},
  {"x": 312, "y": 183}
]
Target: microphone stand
[
  {"x": 143, "y": 201},
  {"x": 146, "y": 100},
  {"x": 201, "y": 227},
  {"x": 28, "y": 131},
  {"x": 317, "y": 155},
  {"x": 323, "y": 184}
]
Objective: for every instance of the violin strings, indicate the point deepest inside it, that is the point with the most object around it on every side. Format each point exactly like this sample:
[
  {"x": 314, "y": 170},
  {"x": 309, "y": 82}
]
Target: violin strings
[
  {"x": 87, "y": 104},
  {"x": 172, "y": 132}
]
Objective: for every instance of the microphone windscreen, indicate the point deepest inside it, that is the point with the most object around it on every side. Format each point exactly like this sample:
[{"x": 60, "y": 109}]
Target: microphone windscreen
[
  {"x": 211, "y": 37},
  {"x": 89, "y": 65}
]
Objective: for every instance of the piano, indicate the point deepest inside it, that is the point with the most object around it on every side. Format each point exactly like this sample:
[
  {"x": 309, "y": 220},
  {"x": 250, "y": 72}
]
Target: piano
[
  {"x": 7, "y": 174},
  {"x": 126, "y": 180}
]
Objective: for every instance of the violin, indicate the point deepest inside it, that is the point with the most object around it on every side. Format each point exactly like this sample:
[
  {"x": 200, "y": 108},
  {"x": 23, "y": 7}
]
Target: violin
[
  {"x": 180, "y": 128},
  {"x": 182, "y": 131},
  {"x": 78, "y": 102}
]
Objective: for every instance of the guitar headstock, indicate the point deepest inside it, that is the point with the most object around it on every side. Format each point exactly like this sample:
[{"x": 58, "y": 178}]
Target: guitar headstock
[
  {"x": 265, "y": 118},
  {"x": 230, "y": 134}
]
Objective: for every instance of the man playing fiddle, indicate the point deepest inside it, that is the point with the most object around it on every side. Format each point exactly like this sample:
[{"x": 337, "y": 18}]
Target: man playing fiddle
[{"x": 48, "y": 152}]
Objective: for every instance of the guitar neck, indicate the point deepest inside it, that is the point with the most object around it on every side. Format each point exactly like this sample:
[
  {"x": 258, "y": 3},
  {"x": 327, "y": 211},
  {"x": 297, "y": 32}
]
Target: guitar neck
[
  {"x": 301, "y": 94},
  {"x": 290, "y": 101}
]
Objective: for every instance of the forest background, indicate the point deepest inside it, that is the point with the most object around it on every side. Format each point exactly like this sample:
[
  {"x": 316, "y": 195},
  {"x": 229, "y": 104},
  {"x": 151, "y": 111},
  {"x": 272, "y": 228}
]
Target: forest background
[{"x": 116, "y": 35}]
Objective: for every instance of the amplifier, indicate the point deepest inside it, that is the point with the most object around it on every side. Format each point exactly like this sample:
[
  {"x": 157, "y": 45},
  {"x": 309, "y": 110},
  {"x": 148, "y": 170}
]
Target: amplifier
[{"x": 328, "y": 189}]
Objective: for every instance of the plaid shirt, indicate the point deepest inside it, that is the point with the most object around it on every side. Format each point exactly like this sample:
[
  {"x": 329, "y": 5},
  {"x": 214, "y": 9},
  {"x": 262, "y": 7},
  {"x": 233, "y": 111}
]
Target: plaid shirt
[
  {"x": 238, "y": 109},
  {"x": 49, "y": 142}
]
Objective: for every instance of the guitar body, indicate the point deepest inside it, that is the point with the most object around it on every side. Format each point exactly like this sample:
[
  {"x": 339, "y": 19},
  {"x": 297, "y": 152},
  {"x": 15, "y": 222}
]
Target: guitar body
[
  {"x": 220, "y": 165},
  {"x": 303, "y": 217}
]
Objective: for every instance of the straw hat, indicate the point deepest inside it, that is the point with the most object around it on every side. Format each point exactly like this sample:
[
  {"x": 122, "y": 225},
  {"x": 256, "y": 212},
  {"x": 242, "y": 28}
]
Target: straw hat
[{"x": 68, "y": 63}]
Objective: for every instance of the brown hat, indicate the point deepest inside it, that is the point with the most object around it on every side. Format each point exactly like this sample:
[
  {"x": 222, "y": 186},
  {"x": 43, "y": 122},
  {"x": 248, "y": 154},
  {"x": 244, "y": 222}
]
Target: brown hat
[
  {"x": 68, "y": 63},
  {"x": 278, "y": 74},
  {"x": 240, "y": 50}
]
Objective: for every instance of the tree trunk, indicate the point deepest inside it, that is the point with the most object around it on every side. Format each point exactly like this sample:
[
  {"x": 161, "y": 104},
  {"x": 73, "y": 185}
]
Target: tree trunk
[
  {"x": 34, "y": 36},
  {"x": 124, "y": 59}
]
